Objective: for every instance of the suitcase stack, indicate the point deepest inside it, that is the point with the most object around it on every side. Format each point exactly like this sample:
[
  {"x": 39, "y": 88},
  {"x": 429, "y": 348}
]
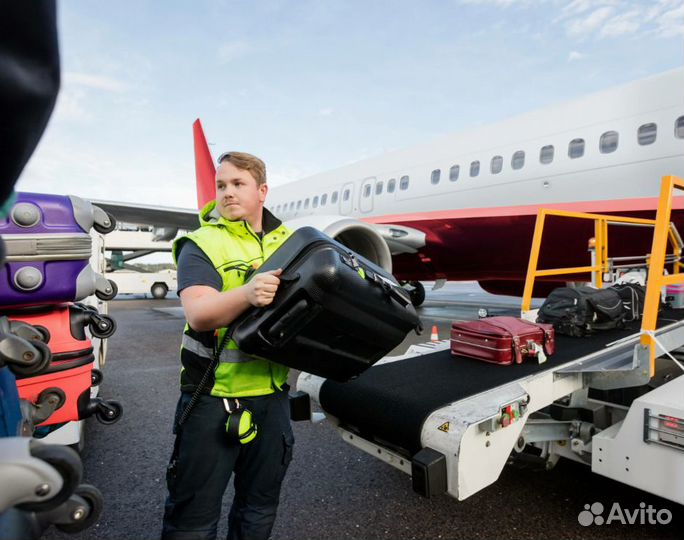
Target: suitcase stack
[{"x": 47, "y": 271}]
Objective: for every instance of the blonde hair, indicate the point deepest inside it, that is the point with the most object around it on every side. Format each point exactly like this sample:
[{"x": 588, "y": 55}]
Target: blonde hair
[{"x": 246, "y": 162}]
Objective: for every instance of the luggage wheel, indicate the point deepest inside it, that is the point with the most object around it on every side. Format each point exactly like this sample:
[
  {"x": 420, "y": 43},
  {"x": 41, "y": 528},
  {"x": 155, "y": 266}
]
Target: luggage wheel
[
  {"x": 80, "y": 511},
  {"x": 103, "y": 222},
  {"x": 107, "y": 292},
  {"x": 102, "y": 326},
  {"x": 48, "y": 401},
  {"x": 67, "y": 463},
  {"x": 106, "y": 411},
  {"x": 24, "y": 358},
  {"x": 96, "y": 377}
]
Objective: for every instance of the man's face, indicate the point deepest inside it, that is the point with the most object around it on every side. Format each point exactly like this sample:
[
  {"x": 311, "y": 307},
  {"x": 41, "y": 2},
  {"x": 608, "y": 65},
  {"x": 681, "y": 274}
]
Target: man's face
[{"x": 237, "y": 194}]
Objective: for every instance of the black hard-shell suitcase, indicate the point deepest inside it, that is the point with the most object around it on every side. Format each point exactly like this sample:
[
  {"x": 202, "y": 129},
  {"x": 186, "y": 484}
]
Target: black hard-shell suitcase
[{"x": 335, "y": 313}]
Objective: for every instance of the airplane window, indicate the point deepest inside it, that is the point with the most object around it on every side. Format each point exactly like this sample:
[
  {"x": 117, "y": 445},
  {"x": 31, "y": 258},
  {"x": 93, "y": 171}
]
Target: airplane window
[
  {"x": 306, "y": 204},
  {"x": 345, "y": 196},
  {"x": 679, "y": 127},
  {"x": 474, "y": 168},
  {"x": 324, "y": 199},
  {"x": 292, "y": 206},
  {"x": 518, "y": 160},
  {"x": 608, "y": 142},
  {"x": 391, "y": 185},
  {"x": 315, "y": 201},
  {"x": 546, "y": 154},
  {"x": 404, "y": 183},
  {"x": 378, "y": 188},
  {"x": 299, "y": 204},
  {"x": 453, "y": 172},
  {"x": 497, "y": 164},
  {"x": 647, "y": 134},
  {"x": 434, "y": 177},
  {"x": 333, "y": 199},
  {"x": 367, "y": 190},
  {"x": 576, "y": 148}
]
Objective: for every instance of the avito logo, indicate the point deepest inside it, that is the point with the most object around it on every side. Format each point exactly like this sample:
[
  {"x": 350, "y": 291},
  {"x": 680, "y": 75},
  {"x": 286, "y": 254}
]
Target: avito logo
[{"x": 644, "y": 515}]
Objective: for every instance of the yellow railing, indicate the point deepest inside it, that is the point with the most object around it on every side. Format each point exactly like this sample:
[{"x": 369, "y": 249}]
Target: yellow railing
[
  {"x": 656, "y": 277},
  {"x": 664, "y": 231}
]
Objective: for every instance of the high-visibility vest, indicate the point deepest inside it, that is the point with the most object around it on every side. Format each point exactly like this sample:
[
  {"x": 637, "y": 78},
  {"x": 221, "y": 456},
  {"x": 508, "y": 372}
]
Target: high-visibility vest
[{"x": 233, "y": 248}]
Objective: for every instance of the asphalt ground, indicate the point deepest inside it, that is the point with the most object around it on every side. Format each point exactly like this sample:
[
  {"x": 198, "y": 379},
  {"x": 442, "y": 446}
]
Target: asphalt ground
[{"x": 332, "y": 490}]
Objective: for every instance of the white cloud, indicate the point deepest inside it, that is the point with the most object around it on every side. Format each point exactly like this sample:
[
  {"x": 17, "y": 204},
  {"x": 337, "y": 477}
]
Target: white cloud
[
  {"x": 97, "y": 82},
  {"x": 575, "y": 55},
  {"x": 586, "y": 19},
  {"x": 627, "y": 23},
  {"x": 326, "y": 111},
  {"x": 231, "y": 51},
  {"x": 582, "y": 26},
  {"x": 71, "y": 106}
]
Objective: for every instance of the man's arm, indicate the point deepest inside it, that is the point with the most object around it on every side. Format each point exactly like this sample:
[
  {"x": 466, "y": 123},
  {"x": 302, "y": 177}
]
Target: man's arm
[{"x": 207, "y": 309}]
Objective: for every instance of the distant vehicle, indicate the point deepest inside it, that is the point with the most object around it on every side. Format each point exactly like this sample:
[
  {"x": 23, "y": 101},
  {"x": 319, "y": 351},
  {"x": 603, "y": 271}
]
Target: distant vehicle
[{"x": 158, "y": 284}]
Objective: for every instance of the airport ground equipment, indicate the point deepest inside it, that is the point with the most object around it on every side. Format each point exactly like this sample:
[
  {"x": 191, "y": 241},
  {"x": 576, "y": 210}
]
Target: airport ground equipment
[
  {"x": 335, "y": 314},
  {"x": 613, "y": 401},
  {"x": 48, "y": 249}
]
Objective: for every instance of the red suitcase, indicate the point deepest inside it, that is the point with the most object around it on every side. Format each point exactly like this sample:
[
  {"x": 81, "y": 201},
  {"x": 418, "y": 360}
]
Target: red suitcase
[
  {"x": 62, "y": 390},
  {"x": 501, "y": 340}
]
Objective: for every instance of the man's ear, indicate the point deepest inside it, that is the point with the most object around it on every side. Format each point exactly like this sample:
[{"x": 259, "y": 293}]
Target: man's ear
[{"x": 263, "y": 191}]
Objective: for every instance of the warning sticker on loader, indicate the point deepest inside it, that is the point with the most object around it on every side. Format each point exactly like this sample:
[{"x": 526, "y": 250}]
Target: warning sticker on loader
[{"x": 444, "y": 427}]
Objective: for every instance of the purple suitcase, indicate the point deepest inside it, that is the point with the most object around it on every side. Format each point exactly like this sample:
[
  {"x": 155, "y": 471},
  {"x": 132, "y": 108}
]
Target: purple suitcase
[{"x": 48, "y": 251}]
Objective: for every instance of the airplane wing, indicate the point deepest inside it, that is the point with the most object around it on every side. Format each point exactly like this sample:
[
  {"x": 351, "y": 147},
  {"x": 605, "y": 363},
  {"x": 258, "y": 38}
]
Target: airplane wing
[{"x": 158, "y": 216}]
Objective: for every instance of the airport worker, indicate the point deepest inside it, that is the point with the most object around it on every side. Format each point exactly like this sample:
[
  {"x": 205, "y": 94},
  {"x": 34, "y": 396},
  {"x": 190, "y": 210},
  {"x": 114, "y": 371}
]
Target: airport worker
[{"x": 214, "y": 422}]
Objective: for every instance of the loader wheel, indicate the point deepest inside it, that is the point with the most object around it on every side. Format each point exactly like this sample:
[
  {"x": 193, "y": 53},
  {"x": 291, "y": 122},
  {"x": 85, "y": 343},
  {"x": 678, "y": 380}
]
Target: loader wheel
[
  {"x": 103, "y": 328},
  {"x": 84, "y": 516},
  {"x": 109, "y": 412},
  {"x": 108, "y": 296},
  {"x": 417, "y": 294},
  {"x": 68, "y": 465},
  {"x": 104, "y": 229}
]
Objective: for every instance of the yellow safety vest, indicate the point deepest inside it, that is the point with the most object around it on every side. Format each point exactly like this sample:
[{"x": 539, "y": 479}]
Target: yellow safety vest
[{"x": 233, "y": 248}]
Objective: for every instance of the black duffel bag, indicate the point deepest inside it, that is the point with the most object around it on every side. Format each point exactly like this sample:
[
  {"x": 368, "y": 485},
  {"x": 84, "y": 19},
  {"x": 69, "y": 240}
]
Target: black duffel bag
[
  {"x": 335, "y": 313},
  {"x": 574, "y": 311},
  {"x": 633, "y": 298}
]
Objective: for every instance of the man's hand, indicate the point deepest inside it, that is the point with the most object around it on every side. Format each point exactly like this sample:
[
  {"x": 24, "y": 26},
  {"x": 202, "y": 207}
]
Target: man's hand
[{"x": 261, "y": 289}]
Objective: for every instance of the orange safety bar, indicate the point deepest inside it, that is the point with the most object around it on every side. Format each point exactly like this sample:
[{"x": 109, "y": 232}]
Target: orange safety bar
[
  {"x": 663, "y": 233},
  {"x": 656, "y": 277}
]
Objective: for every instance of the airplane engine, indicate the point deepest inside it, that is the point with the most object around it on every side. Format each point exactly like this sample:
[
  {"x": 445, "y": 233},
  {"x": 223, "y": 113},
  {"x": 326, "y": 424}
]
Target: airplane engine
[{"x": 358, "y": 236}]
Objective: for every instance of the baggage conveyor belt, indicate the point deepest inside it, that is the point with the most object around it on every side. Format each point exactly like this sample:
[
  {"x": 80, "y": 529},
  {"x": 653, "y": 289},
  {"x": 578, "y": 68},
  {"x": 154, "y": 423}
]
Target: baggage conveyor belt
[{"x": 389, "y": 402}]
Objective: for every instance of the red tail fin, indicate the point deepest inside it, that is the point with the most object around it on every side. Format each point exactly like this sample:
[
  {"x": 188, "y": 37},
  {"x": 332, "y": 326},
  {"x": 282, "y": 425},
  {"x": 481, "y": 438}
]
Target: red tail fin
[{"x": 205, "y": 171}]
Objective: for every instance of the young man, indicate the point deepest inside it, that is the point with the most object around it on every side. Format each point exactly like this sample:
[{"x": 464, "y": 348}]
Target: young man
[{"x": 237, "y": 233}]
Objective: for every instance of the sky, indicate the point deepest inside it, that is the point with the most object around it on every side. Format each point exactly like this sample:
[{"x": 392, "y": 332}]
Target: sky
[{"x": 310, "y": 85}]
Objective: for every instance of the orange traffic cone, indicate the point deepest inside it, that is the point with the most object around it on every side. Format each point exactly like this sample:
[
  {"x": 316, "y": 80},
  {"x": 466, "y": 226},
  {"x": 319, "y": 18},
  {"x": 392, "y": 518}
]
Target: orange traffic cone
[{"x": 434, "y": 336}]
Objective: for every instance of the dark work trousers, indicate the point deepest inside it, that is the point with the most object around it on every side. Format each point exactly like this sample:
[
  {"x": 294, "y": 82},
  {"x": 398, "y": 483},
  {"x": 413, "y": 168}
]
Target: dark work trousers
[{"x": 203, "y": 461}]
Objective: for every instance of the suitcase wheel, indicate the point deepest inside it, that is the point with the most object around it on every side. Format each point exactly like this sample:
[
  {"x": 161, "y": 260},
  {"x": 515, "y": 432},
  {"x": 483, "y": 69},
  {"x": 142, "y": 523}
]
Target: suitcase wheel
[
  {"x": 53, "y": 397},
  {"x": 108, "y": 412},
  {"x": 107, "y": 225},
  {"x": 40, "y": 362},
  {"x": 102, "y": 326},
  {"x": 86, "y": 510},
  {"x": 67, "y": 463},
  {"x": 109, "y": 293},
  {"x": 96, "y": 377}
]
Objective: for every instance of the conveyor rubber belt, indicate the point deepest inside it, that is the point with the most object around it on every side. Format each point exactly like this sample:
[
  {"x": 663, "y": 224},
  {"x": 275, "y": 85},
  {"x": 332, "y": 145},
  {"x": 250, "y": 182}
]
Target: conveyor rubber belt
[{"x": 389, "y": 403}]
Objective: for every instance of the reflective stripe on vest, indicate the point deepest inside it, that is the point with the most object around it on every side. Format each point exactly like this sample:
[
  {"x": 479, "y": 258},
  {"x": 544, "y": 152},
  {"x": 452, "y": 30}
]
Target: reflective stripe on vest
[{"x": 228, "y": 356}]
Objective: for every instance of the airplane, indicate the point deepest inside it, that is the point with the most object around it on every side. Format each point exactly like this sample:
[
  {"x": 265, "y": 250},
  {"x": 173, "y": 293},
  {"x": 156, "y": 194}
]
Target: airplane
[{"x": 463, "y": 207}]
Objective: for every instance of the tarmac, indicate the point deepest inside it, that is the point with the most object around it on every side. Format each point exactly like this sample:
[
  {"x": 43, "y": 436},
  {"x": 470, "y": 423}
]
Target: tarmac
[{"x": 332, "y": 490}]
